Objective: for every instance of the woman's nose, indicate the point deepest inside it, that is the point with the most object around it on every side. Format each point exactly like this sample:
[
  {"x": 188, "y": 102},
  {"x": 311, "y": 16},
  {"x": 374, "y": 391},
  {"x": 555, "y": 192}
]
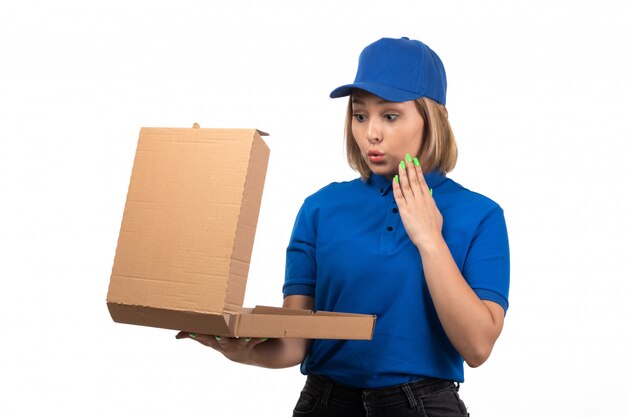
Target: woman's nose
[{"x": 372, "y": 133}]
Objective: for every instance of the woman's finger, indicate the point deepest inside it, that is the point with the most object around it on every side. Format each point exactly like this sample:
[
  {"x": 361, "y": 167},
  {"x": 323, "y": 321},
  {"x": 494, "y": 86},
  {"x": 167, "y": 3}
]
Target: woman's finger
[
  {"x": 243, "y": 341},
  {"x": 257, "y": 340},
  {"x": 219, "y": 341},
  {"x": 412, "y": 175},
  {"x": 404, "y": 182},
  {"x": 207, "y": 339},
  {"x": 397, "y": 192},
  {"x": 421, "y": 180}
]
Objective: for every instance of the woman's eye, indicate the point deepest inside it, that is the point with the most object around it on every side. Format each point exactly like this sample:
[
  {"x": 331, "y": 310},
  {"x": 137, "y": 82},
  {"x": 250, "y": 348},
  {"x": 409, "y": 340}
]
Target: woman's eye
[
  {"x": 391, "y": 117},
  {"x": 358, "y": 117}
]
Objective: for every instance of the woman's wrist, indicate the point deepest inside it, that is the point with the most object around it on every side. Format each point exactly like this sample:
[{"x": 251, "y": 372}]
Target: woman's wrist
[{"x": 432, "y": 246}]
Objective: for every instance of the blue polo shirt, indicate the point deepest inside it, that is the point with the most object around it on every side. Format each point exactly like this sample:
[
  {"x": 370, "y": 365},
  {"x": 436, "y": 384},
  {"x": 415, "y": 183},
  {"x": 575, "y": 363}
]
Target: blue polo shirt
[{"x": 350, "y": 251}]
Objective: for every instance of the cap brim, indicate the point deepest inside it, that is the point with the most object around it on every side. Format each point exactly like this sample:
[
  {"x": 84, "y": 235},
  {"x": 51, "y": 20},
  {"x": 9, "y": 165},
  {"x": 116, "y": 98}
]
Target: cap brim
[{"x": 382, "y": 91}]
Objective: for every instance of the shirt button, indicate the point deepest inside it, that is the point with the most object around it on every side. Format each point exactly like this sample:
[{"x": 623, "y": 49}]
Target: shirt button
[
  {"x": 389, "y": 228},
  {"x": 395, "y": 210}
]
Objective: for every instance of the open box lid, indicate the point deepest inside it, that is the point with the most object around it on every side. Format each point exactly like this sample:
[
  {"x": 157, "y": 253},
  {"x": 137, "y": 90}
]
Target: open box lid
[
  {"x": 188, "y": 227},
  {"x": 186, "y": 238}
]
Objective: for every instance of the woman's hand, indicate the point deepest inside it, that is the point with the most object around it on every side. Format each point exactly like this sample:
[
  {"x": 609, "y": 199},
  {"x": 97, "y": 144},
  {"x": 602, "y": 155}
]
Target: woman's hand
[
  {"x": 471, "y": 324},
  {"x": 421, "y": 218},
  {"x": 272, "y": 353},
  {"x": 235, "y": 349}
]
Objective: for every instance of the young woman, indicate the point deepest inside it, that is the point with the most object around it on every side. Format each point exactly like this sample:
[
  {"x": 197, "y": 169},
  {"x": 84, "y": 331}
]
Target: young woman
[{"x": 428, "y": 257}]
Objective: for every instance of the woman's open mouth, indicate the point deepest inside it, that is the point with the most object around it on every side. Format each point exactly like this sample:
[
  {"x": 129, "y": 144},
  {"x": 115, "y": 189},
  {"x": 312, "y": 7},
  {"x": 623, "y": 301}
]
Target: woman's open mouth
[{"x": 375, "y": 156}]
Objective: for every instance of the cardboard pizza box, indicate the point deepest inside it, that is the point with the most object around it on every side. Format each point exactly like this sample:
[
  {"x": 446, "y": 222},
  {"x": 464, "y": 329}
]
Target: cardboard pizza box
[{"x": 185, "y": 243}]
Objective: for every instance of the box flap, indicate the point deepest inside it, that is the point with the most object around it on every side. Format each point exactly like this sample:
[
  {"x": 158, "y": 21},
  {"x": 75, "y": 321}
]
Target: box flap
[
  {"x": 189, "y": 222},
  {"x": 298, "y": 312},
  {"x": 188, "y": 321},
  {"x": 273, "y": 322}
]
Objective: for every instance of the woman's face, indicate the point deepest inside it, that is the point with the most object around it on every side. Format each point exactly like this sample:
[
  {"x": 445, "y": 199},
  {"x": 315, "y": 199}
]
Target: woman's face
[{"x": 385, "y": 131}]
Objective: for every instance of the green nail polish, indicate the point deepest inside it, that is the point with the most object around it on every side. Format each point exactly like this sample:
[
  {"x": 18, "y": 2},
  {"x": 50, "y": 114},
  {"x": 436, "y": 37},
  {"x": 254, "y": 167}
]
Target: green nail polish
[
  {"x": 247, "y": 339},
  {"x": 264, "y": 339},
  {"x": 416, "y": 161},
  {"x": 431, "y": 191},
  {"x": 193, "y": 335},
  {"x": 402, "y": 165},
  {"x": 408, "y": 157},
  {"x": 395, "y": 178},
  {"x": 218, "y": 338}
]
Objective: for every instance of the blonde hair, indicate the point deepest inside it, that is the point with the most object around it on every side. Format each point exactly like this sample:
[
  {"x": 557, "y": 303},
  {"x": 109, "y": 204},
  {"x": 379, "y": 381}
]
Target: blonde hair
[{"x": 438, "y": 150}]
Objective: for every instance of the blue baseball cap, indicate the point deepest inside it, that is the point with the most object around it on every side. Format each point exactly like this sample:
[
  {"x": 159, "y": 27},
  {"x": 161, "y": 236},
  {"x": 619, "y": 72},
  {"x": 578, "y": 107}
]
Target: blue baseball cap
[{"x": 398, "y": 70}]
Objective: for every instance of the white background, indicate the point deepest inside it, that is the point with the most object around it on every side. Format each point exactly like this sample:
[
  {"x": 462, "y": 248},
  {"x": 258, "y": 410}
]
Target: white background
[{"x": 536, "y": 95}]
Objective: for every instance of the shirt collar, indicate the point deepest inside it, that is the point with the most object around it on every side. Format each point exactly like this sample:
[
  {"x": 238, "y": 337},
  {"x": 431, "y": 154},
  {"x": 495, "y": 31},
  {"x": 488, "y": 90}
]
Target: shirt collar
[{"x": 383, "y": 184}]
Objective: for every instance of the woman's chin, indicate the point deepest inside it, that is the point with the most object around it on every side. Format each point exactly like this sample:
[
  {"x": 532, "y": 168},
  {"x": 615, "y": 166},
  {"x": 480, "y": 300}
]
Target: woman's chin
[{"x": 383, "y": 171}]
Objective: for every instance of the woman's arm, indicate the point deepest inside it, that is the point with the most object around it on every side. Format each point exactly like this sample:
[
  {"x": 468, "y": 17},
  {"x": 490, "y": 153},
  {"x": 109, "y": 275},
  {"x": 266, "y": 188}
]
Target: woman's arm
[
  {"x": 471, "y": 324},
  {"x": 272, "y": 353}
]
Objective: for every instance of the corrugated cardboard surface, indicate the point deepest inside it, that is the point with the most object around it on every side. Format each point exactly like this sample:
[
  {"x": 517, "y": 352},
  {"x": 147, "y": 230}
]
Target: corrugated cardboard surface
[
  {"x": 271, "y": 322},
  {"x": 281, "y": 322},
  {"x": 186, "y": 240},
  {"x": 189, "y": 221},
  {"x": 190, "y": 321}
]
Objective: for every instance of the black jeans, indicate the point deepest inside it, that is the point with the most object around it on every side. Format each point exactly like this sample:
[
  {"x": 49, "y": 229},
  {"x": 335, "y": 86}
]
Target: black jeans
[{"x": 429, "y": 397}]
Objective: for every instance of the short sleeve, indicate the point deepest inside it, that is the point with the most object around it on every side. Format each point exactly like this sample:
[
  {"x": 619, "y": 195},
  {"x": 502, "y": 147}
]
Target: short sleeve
[
  {"x": 487, "y": 266},
  {"x": 301, "y": 266}
]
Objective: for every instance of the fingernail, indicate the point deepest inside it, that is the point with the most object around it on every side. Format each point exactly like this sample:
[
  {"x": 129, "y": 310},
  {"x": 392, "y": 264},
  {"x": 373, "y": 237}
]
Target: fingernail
[
  {"x": 264, "y": 339},
  {"x": 247, "y": 339},
  {"x": 218, "y": 338},
  {"x": 192, "y": 335},
  {"x": 416, "y": 161},
  {"x": 431, "y": 191},
  {"x": 408, "y": 157},
  {"x": 402, "y": 165},
  {"x": 395, "y": 178}
]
